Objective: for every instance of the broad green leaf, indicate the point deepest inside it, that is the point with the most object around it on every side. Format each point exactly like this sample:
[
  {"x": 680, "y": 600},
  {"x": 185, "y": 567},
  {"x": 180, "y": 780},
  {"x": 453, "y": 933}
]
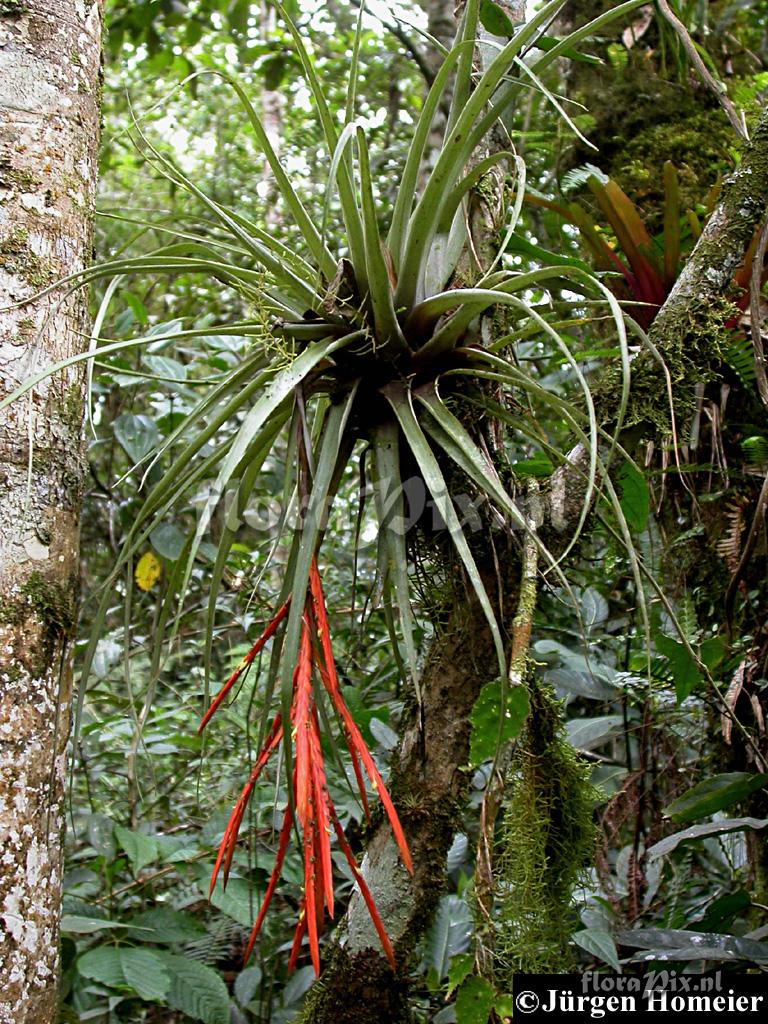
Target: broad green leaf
[
  {"x": 247, "y": 983},
  {"x": 712, "y": 651},
  {"x": 141, "y": 849},
  {"x": 449, "y": 934},
  {"x": 714, "y": 794},
  {"x": 136, "y": 306},
  {"x": 685, "y": 672},
  {"x": 168, "y": 541},
  {"x": 600, "y": 944},
  {"x": 100, "y": 835},
  {"x": 589, "y": 733},
  {"x": 382, "y": 733},
  {"x": 705, "y": 831},
  {"x": 681, "y": 944},
  {"x": 164, "y": 366},
  {"x": 137, "y": 435},
  {"x": 461, "y": 967},
  {"x": 585, "y": 684},
  {"x": 635, "y": 502},
  {"x": 495, "y": 19},
  {"x": 485, "y": 717},
  {"x": 474, "y": 1001},
  {"x": 298, "y": 985},
  {"x": 236, "y": 901},
  {"x": 538, "y": 467},
  {"x": 141, "y": 970},
  {"x": 145, "y": 972},
  {"x": 163, "y": 925},
  {"x": 166, "y": 329},
  {"x": 74, "y": 924},
  {"x": 594, "y": 608},
  {"x": 102, "y": 964},
  {"x": 504, "y": 1006},
  {"x": 196, "y": 990}
]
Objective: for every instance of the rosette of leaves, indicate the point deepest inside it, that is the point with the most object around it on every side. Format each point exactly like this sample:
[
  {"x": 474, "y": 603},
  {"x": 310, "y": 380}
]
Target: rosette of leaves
[{"x": 363, "y": 343}]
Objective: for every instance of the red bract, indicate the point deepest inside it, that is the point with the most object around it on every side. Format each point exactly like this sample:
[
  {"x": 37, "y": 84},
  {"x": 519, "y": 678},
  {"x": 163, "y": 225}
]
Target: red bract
[{"x": 315, "y": 813}]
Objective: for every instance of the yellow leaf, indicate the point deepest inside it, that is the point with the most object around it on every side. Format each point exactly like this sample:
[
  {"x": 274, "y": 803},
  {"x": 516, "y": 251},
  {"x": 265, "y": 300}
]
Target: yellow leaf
[{"x": 148, "y": 571}]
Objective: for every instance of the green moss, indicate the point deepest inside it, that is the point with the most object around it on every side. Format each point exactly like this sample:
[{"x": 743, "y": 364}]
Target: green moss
[
  {"x": 19, "y": 181},
  {"x": 696, "y": 343},
  {"x": 16, "y": 257},
  {"x": 13, "y": 8},
  {"x": 72, "y": 407},
  {"x": 15, "y": 242},
  {"x": 361, "y": 989},
  {"x": 698, "y": 145},
  {"x": 26, "y": 328},
  {"x": 54, "y": 606},
  {"x": 548, "y": 839},
  {"x": 54, "y": 603}
]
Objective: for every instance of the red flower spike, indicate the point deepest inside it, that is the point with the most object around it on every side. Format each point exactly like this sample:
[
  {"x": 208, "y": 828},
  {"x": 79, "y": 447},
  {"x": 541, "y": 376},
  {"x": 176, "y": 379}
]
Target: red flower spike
[
  {"x": 350, "y": 745},
  {"x": 268, "y": 633},
  {"x": 315, "y": 813},
  {"x": 322, "y": 824},
  {"x": 301, "y": 928},
  {"x": 358, "y": 776},
  {"x": 301, "y": 718},
  {"x": 331, "y": 682},
  {"x": 229, "y": 841},
  {"x": 310, "y": 905}
]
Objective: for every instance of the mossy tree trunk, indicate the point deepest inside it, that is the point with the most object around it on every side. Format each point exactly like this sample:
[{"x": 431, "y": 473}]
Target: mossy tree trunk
[{"x": 49, "y": 129}]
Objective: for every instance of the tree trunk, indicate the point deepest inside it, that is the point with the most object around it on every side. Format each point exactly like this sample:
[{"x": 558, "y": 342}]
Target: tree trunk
[{"x": 49, "y": 130}]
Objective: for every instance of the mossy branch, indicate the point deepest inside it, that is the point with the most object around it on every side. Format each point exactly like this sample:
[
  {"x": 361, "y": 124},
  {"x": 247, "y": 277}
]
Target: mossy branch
[{"x": 708, "y": 273}]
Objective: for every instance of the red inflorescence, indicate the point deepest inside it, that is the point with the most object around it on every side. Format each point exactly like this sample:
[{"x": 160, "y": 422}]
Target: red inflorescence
[{"x": 315, "y": 814}]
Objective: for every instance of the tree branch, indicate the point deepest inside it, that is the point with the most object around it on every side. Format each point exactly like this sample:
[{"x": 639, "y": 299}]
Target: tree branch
[{"x": 720, "y": 250}]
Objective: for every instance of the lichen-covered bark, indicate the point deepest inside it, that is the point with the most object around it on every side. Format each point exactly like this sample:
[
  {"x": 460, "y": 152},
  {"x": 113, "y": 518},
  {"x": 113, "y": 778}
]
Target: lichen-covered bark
[{"x": 49, "y": 126}]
